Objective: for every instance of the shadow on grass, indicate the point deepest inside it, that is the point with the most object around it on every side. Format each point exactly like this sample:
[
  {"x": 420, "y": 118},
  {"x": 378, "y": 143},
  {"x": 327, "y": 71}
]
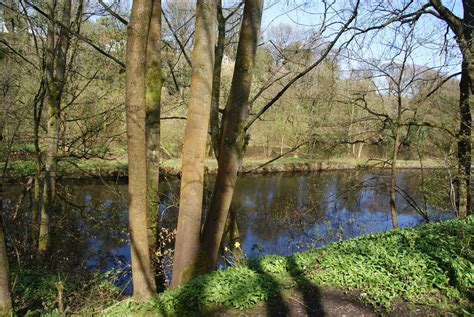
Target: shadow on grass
[
  {"x": 281, "y": 284},
  {"x": 281, "y": 303},
  {"x": 276, "y": 306},
  {"x": 311, "y": 294}
]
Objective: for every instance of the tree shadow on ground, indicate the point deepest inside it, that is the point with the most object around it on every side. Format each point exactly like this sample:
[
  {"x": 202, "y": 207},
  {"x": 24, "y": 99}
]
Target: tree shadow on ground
[
  {"x": 310, "y": 293},
  {"x": 304, "y": 300}
]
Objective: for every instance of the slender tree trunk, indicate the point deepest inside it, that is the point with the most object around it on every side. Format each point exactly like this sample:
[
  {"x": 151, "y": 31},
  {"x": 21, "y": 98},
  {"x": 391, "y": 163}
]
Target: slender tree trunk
[
  {"x": 35, "y": 208},
  {"x": 135, "y": 86},
  {"x": 56, "y": 77},
  {"x": 393, "y": 170},
  {"x": 234, "y": 236},
  {"x": 5, "y": 297},
  {"x": 465, "y": 129},
  {"x": 194, "y": 148},
  {"x": 233, "y": 138},
  {"x": 359, "y": 152},
  {"x": 215, "y": 127},
  {"x": 468, "y": 56},
  {"x": 152, "y": 122},
  {"x": 464, "y": 146},
  {"x": 2, "y": 120},
  {"x": 393, "y": 180}
]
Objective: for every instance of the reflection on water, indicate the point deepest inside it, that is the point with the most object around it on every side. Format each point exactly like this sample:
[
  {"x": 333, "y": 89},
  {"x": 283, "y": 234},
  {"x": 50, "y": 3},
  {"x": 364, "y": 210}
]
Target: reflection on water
[{"x": 276, "y": 214}]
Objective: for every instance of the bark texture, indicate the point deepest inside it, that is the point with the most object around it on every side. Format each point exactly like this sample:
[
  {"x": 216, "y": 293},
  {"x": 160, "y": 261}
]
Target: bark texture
[
  {"x": 152, "y": 121},
  {"x": 56, "y": 54},
  {"x": 135, "y": 86},
  {"x": 233, "y": 137},
  {"x": 465, "y": 128},
  {"x": 194, "y": 148},
  {"x": 35, "y": 208},
  {"x": 463, "y": 30},
  {"x": 5, "y": 296},
  {"x": 464, "y": 147},
  {"x": 393, "y": 174},
  {"x": 215, "y": 129}
]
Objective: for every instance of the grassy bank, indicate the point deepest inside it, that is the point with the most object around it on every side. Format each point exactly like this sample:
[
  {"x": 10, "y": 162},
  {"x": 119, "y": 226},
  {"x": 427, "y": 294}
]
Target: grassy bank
[
  {"x": 172, "y": 167},
  {"x": 427, "y": 265}
]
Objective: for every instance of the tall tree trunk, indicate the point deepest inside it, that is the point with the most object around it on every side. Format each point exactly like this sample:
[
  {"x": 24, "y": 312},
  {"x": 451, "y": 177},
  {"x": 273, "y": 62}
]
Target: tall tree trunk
[
  {"x": 468, "y": 33},
  {"x": 2, "y": 119},
  {"x": 215, "y": 127},
  {"x": 5, "y": 297},
  {"x": 35, "y": 208},
  {"x": 465, "y": 129},
  {"x": 396, "y": 145},
  {"x": 464, "y": 146},
  {"x": 194, "y": 148},
  {"x": 56, "y": 78},
  {"x": 233, "y": 137},
  {"x": 135, "y": 86},
  {"x": 152, "y": 123}
]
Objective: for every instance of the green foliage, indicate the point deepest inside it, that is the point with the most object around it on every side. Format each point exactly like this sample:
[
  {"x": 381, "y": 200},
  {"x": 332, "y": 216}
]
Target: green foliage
[
  {"x": 36, "y": 291},
  {"x": 22, "y": 168},
  {"x": 430, "y": 264},
  {"x": 419, "y": 265},
  {"x": 18, "y": 148}
]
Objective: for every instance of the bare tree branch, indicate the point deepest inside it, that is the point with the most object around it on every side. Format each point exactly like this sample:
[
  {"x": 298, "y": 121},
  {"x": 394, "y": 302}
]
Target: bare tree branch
[
  {"x": 113, "y": 13},
  {"x": 79, "y": 36},
  {"x": 307, "y": 70},
  {"x": 180, "y": 44}
]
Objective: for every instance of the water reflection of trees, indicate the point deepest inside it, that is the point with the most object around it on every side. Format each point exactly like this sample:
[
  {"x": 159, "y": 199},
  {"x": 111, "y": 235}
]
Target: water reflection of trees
[
  {"x": 284, "y": 213},
  {"x": 92, "y": 226},
  {"x": 287, "y": 213},
  {"x": 277, "y": 205}
]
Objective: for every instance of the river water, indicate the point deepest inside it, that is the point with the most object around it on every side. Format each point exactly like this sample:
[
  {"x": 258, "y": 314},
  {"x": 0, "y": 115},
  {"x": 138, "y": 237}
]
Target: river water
[{"x": 276, "y": 214}]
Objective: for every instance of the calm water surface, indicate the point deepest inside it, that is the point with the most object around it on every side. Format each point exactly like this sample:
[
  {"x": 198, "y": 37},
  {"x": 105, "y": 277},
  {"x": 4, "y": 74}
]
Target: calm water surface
[{"x": 276, "y": 214}]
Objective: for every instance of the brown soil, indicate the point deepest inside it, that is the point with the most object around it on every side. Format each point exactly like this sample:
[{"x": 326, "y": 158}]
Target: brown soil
[{"x": 327, "y": 302}]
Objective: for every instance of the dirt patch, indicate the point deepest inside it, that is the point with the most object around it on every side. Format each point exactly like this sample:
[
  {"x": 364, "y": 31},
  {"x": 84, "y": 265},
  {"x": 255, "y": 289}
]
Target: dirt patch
[
  {"x": 308, "y": 301},
  {"x": 327, "y": 302}
]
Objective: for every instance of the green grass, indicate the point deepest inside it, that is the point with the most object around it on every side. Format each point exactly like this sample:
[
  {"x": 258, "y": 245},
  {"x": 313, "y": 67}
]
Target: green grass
[
  {"x": 430, "y": 265},
  {"x": 20, "y": 148},
  {"x": 28, "y": 167}
]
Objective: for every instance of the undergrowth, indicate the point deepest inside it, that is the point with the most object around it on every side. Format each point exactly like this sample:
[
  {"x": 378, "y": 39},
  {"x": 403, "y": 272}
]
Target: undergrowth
[
  {"x": 37, "y": 292},
  {"x": 431, "y": 265}
]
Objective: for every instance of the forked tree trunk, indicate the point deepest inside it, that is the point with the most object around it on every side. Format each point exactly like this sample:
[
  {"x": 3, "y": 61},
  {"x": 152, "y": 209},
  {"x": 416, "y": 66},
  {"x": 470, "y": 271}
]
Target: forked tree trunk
[
  {"x": 194, "y": 148},
  {"x": 152, "y": 122},
  {"x": 135, "y": 86},
  {"x": 5, "y": 296},
  {"x": 56, "y": 77},
  {"x": 233, "y": 137}
]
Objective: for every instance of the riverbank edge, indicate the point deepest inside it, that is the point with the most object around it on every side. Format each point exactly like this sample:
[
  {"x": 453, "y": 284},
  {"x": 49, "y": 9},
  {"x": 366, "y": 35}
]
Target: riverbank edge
[
  {"x": 433, "y": 273},
  {"x": 172, "y": 168}
]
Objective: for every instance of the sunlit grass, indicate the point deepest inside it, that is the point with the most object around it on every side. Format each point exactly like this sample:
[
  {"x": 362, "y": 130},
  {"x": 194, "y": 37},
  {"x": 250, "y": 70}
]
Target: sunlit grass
[{"x": 430, "y": 264}]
